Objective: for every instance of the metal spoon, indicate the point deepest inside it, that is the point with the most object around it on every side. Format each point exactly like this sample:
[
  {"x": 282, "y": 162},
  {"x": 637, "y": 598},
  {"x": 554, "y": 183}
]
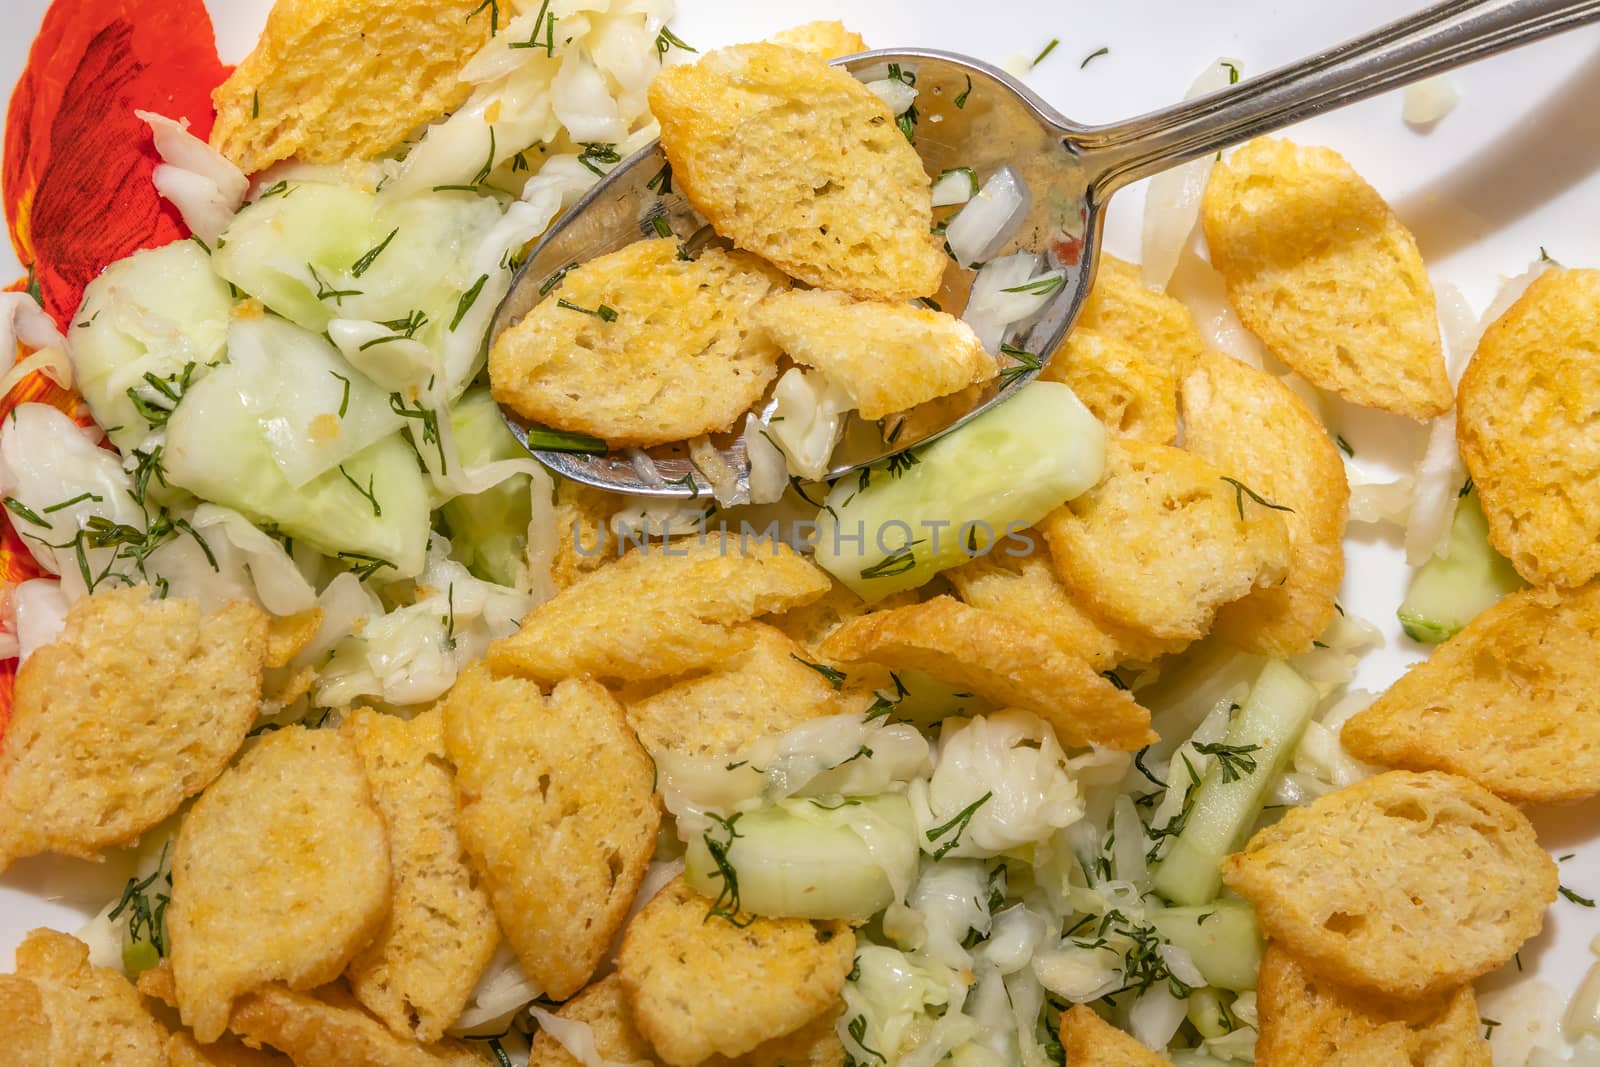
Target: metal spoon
[{"x": 973, "y": 115}]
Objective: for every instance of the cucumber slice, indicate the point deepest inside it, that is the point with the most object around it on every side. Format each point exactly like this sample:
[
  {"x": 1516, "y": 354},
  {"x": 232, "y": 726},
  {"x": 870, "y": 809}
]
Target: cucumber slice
[
  {"x": 1222, "y": 938},
  {"x": 488, "y": 530},
  {"x": 895, "y": 527},
  {"x": 1450, "y": 590},
  {"x": 802, "y": 859},
  {"x": 154, "y": 313},
  {"x": 1273, "y": 717}
]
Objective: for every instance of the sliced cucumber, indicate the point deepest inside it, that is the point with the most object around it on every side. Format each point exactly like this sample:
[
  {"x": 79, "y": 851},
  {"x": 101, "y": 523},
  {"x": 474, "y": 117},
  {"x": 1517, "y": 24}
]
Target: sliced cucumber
[
  {"x": 803, "y": 860},
  {"x": 1450, "y": 590},
  {"x": 898, "y": 526},
  {"x": 1222, "y": 938},
  {"x": 1272, "y": 719},
  {"x": 488, "y": 530},
  {"x": 151, "y": 315}
]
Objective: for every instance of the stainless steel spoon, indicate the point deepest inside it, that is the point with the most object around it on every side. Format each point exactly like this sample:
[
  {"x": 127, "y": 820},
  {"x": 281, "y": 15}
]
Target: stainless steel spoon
[{"x": 973, "y": 115}]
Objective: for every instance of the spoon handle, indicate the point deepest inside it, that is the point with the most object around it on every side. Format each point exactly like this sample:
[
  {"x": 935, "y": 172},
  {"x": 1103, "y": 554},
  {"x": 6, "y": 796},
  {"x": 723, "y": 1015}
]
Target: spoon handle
[{"x": 1438, "y": 38}]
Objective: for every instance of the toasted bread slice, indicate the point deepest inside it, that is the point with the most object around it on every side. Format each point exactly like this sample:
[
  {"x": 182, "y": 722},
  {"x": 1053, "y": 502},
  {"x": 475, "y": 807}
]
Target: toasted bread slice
[
  {"x": 1404, "y": 884},
  {"x": 1526, "y": 431},
  {"x": 1322, "y": 270},
  {"x": 803, "y": 165},
  {"x": 1251, "y": 425},
  {"x": 25, "y": 1029},
  {"x": 1158, "y": 327},
  {"x": 329, "y": 82},
  {"x": 184, "y": 1051},
  {"x": 584, "y": 541},
  {"x": 85, "y": 1014},
  {"x": 1090, "y": 1041},
  {"x": 329, "y": 1029},
  {"x": 130, "y": 682},
  {"x": 701, "y": 985},
  {"x": 1132, "y": 394},
  {"x": 281, "y": 873},
  {"x": 825, "y": 39}
]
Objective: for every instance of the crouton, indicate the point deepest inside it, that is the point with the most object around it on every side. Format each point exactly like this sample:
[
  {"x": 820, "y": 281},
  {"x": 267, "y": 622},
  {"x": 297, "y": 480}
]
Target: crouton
[
  {"x": 701, "y": 985},
  {"x": 331, "y": 1030},
  {"x": 803, "y": 165},
  {"x": 136, "y": 706},
  {"x": 1090, "y": 1041},
  {"x": 642, "y": 347},
  {"x": 659, "y": 612},
  {"x": 287, "y": 635},
  {"x": 1133, "y": 395},
  {"x": 825, "y": 39},
  {"x": 1001, "y": 660},
  {"x": 1026, "y": 589},
  {"x": 1527, "y": 433},
  {"x": 184, "y": 1051},
  {"x": 1403, "y": 884},
  {"x": 1306, "y": 1021},
  {"x": 768, "y": 688},
  {"x": 420, "y": 971},
  {"x": 1251, "y": 425},
  {"x": 1321, "y": 269},
  {"x": 281, "y": 873},
  {"x": 1159, "y": 327},
  {"x": 584, "y": 541},
  {"x": 558, "y": 813},
  {"x": 24, "y": 1026},
  {"x": 86, "y": 1014},
  {"x": 888, "y": 357},
  {"x": 1163, "y": 541},
  {"x": 330, "y": 82},
  {"x": 809, "y": 624},
  {"x": 1512, "y": 702}
]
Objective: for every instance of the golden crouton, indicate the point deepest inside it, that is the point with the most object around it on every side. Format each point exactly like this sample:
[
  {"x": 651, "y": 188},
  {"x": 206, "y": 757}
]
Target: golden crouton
[
  {"x": 701, "y": 985},
  {"x": 287, "y": 635},
  {"x": 558, "y": 813},
  {"x": 440, "y": 935},
  {"x": 887, "y": 356},
  {"x": 331, "y": 1030},
  {"x": 1133, "y": 395},
  {"x": 825, "y": 39},
  {"x": 1512, "y": 702},
  {"x": 184, "y": 1051},
  {"x": 1090, "y": 1041},
  {"x": 137, "y": 705},
  {"x": 584, "y": 541},
  {"x": 24, "y": 1026},
  {"x": 281, "y": 873},
  {"x": 1307, "y": 1021},
  {"x": 1002, "y": 660},
  {"x": 768, "y": 688},
  {"x": 1159, "y": 327},
  {"x": 803, "y": 165},
  {"x": 1320, "y": 268},
  {"x": 330, "y": 82},
  {"x": 85, "y": 1014},
  {"x": 659, "y": 612},
  {"x": 1526, "y": 430},
  {"x": 1163, "y": 541},
  {"x": 1253, "y": 426},
  {"x": 1404, "y": 884},
  {"x": 1027, "y": 589},
  {"x": 642, "y": 347}
]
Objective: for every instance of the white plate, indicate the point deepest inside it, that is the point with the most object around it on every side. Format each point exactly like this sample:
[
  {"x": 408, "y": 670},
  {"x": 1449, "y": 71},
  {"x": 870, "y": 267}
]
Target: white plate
[{"x": 1514, "y": 167}]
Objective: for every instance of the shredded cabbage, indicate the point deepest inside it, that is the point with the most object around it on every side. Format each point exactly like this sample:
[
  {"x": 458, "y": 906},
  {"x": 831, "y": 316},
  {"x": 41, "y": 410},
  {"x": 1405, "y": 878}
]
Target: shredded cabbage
[
  {"x": 199, "y": 181},
  {"x": 1172, "y": 200}
]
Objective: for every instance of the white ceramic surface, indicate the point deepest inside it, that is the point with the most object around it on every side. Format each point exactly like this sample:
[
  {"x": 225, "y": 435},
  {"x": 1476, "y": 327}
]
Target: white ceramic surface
[{"x": 1514, "y": 167}]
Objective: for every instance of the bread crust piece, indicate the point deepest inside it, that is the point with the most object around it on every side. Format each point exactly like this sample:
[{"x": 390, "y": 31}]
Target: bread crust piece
[
  {"x": 24, "y": 1026},
  {"x": 701, "y": 986},
  {"x": 281, "y": 873},
  {"x": 330, "y": 1030},
  {"x": 1512, "y": 702},
  {"x": 1003, "y": 661},
  {"x": 558, "y": 813},
  {"x": 1132, "y": 394},
  {"x": 1158, "y": 327},
  {"x": 1306, "y": 1021},
  {"x": 1403, "y": 884},
  {"x": 674, "y": 356},
  {"x": 1528, "y": 433},
  {"x": 1322, "y": 270},
  {"x": 1090, "y": 1041},
  {"x": 1163, "y": 541},
  {"x": 328, "y": 81},
  {"x": 91, "y": 1015},
  {"x": 826, "y": 39},
  {"x": 803, "y": 165},
  {"x": 184, "y": 1051},
  {"x": 129, "y": 683},
  {"x": 1252, "y": 425},
  {"x": 419, "y": 972}
]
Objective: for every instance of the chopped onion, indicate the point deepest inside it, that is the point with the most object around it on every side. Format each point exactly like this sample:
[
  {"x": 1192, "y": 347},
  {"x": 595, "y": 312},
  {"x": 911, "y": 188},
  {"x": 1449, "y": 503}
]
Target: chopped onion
[
  {"x": 1429, "y": 100},
  {"x": 895, "y": 93},
  {"x": 769, "y": 471},
  {"x": 645, "y": 467},
  {"x": 1079, "y": 974},
  {"x": 1156, "y": 1016},
  {"x": 990, "y": 309},
  {"x": 40, "y": 608},
  {"x": 1172, "y": 201},
  {"x": 990, "y": 219},
  {"x": 955, "y": 187},
  {"x": 199, "y": 181},
  {"x": 807, "y": 420},
  {"x": 23, "y": 320},
  {"x": 724, "y": 482},
  {"x": 1583, "y": 1011},
  {"x": 1379, "y": 502},
  {"x": 1014, "y": 935},
  {"x": 502, "y": 989}
]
